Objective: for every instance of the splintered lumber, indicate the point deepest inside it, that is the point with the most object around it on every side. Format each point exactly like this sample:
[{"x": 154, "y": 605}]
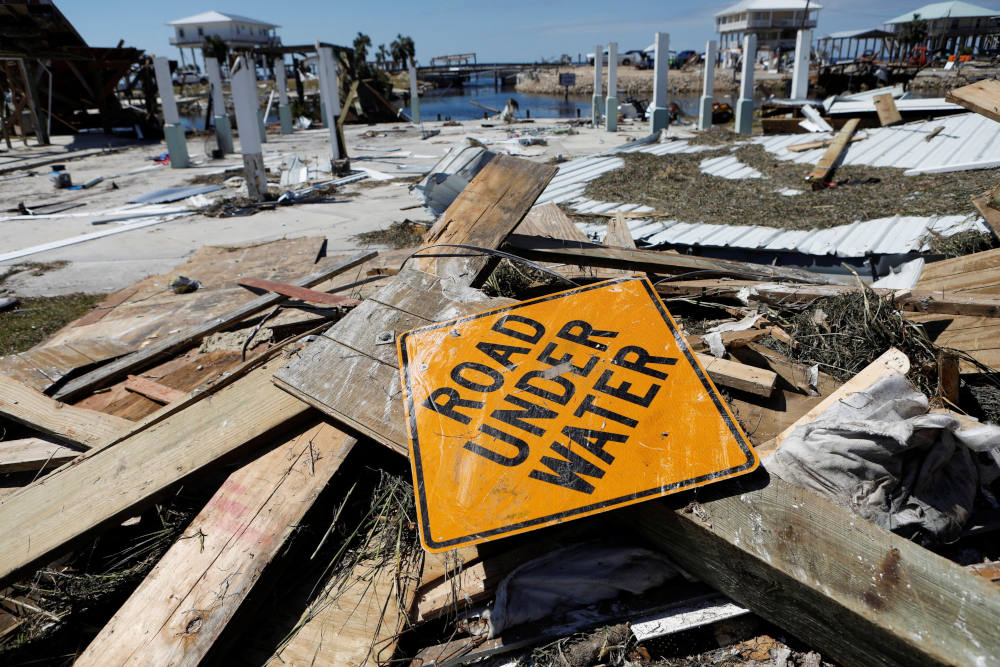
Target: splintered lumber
[
  {"x": 618, "y": 234},
  {"x": 948, "y": 377},
  {"x": 118, "y": 369},
  {"x": 821, "y": 143},
  {"x": 351, "y": 371},
  {"x": 821, "y": 172},
  {"x": 891, "y": 362},
  {"x": 259, "y": 285},
  {"x": 180, "y": 609},
  {"x": 483, "y": 214},
  {"x": 983, "y": 97},
  {"x": 854, "y": 591},
  {"x": 44, "y": 517},
  {"x": 549, "y": 221},
  {"x": 80, "y": 426},
  {"x": 735, "y": 375},
  {"x": 153, "y": 390},
  {"x": 936, "y": 131},
  {"x": 29, "y": 454},
  {"x": 355, "y": 622},
  {"x": 885, "y": 107},
  {"x": 646, "y": 261},
  {"x": 985, "y": 203}
]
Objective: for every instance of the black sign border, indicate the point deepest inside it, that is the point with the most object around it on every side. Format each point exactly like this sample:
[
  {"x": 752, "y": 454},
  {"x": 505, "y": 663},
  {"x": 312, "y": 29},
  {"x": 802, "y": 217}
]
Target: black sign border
[{"x": 656, "y": 491}]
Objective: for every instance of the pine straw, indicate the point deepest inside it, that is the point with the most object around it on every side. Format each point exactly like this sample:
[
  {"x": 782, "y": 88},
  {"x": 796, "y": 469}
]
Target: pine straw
[
  {"x": 845, "y": 333},
  {"x": 675, "y": 185},
  {"x": 404, "y": 234}
]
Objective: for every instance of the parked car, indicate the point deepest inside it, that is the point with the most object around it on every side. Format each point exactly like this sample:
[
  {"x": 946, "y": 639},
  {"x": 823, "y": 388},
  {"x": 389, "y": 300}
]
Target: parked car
[
  {"x": 623, "y": 58},
  {"x": 189, "y": 76}
]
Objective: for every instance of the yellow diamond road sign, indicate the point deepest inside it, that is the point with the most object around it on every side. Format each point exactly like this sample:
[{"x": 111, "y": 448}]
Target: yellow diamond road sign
[{"x": 557, "y": 408}]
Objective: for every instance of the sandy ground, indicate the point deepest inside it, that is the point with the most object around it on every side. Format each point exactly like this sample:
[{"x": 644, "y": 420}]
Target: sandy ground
[{"x": 110, "y": 263}]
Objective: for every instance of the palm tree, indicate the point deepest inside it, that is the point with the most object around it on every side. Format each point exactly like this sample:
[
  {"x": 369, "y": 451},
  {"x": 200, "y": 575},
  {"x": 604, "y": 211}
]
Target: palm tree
[{"x": 382, "y": 56}]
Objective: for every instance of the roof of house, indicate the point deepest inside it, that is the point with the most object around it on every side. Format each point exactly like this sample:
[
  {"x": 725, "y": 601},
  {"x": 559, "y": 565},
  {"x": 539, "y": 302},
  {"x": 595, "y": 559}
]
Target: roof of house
[
  {"x": 941, "y": 10},
  {"x": 220, "y": 17},
  {"x": 869, "y": 33},
  {"x": 780, "y": 5}
]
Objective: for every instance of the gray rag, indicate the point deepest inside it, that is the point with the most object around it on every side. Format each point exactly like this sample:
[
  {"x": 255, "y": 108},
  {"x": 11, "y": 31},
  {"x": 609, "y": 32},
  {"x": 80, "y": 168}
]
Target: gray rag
[
  {"x": 881, "y": 454},
  {"x": 572, "y": 578}
]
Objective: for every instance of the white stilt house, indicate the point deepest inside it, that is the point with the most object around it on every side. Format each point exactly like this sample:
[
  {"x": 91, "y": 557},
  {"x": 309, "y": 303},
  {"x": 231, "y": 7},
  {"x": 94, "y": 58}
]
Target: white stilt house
[
  {"x": 773, "y": 23},
  {"x": 238, "y": 32}
]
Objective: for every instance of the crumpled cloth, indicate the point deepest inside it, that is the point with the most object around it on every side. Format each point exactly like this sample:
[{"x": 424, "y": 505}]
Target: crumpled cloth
[
  {"x": 881, "y": 454},
  {"x": 572, "y": 578}
]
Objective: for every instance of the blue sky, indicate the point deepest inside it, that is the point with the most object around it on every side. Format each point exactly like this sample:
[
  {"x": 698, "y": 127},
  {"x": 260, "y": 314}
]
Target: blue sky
[{"x": 497, "y": 30}]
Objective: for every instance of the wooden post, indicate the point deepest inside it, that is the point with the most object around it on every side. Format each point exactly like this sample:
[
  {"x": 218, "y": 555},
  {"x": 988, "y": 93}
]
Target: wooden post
[
  {"x": 800, "y": 76},
  {"x": 223, "y": 127},
  {"x": 598, "y": 98},
  {"x": 708, "y": 88},
  {"x": 744, "y": 107},
  {"x": 245, "y": 100},
  {"x": 611, "y": 103},
  {"x": 661, "y": 71},
  {"x": 173, "y": 131},
  {"x": 330, "y": 95},
  {"x": 28, "y": 72}
]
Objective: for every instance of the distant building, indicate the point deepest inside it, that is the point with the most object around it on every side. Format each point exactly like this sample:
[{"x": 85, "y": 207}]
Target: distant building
[
  {"x": 238, "y": 32},
  {"x": 775, "y": 23},
  {"x": 954, "y": 25}
]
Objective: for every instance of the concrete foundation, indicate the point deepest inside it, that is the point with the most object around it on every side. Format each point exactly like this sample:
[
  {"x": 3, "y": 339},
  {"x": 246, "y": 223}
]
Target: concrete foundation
[
  {"x": 597, "y": 113},
  {"x": 705, "y": 112},
  {"x": 744, "y": 116},
  {"x": 224, "y": 133},
  {"x": 611, "y": 114},
  {"x": 659, "y": 120},
  {"x": 285, "y": 116},
  {"x": 176, "y": 146}
]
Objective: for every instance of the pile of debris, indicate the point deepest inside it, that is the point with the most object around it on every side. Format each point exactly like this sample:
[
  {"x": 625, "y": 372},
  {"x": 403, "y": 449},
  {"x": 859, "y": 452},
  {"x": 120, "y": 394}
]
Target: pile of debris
[{"x": 513, "y": 434}]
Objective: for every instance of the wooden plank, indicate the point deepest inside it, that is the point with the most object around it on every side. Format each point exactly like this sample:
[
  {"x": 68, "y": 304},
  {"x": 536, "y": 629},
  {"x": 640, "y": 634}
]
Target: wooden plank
[
  {"x": 891, "y": 362},
  {"x": 642, "y": 261},
  {"x": 354, "y": 378},
  {"x": 484, "y": 213},
  {"x": 936, "y": 131},
  {"x": 618, "y": 234},
  {"x": 29, "y": 454},
  {"x": 44, "y": 517},
  {"x": 64, "y": 422},
  {"x": 735, "y": 375},
  {"x": 990, "y": 215},
  {"x": 983, "y": 97},
  {"x": 821, "y": 143},
  {"x": 259, "y": 285},
  {"x": 153, "y": 390},
  {"x": 105, "y": 306},
  {"x": 180, "y": 609},
  {"x": 885, "y": 107},
  {"x": 148, "y": 355},
  {"x": 821, "y": 172},
  {"x": 355, "y": 622},
  {"x": 549, "y": 221},
  {"x": 948, "y": 377},
  {"x": 855, "y": 592}
]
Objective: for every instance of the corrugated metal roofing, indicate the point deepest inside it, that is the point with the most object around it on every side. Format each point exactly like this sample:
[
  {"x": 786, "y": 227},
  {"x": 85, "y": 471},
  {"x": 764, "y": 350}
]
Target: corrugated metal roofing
[
  {"x": 883, "y": 236},
  {"x": 968, "y": 141},
  {"x": 932, "y": 104}
]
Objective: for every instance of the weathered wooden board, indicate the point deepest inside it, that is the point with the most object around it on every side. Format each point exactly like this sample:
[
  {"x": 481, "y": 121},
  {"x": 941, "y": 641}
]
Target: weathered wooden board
[
  {"x": 642, "y": 261},
  {"x": 857, "y": 593},
  {"x": 33, "y": 454},
  {"x": 983, "y": 97},
  {"x": 483, "y": 214},
  {"x": 885, "y": 107},
  {"x": 44, "y": 517},
  {"x": 182, "y": 606},
  {"x": 176, "y": 342},
  {"x": 549, "y": 221},
  {"x": 64, "y": 422},
  {"x": 821, "y": 172},
  {"x": 259, "y": 286},
  {"x": 151, "y": 389}
]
